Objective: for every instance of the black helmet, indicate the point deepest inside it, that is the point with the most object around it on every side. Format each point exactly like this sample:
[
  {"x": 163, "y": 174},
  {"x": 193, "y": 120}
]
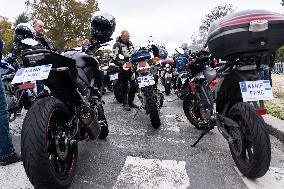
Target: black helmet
[
  {"x": 103, "y": 26},
  {"x": 23, "y": 31}
]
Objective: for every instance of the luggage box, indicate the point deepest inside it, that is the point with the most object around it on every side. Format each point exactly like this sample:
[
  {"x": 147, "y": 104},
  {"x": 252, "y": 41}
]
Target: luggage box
[{"x": 246, "y": 33}]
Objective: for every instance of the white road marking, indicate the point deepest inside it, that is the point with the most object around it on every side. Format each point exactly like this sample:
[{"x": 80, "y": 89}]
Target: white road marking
[
  {"x": 152, "y": 173},
  {"x": 14, "y": 177},
  {"x": 274, "y": 178}
]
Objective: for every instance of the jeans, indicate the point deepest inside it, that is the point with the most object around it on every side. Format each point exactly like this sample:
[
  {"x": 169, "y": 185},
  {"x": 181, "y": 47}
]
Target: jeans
[
  {"x": 264, "y": 74},
  {"x": 39, "y": 86},
  {"x": 6, "y": 146}
]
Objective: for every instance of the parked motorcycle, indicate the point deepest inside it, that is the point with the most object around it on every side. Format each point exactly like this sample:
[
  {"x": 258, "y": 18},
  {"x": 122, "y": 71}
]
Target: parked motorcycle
[
  {"x": 18, "y": 96},
  {"x": 231, "y": 97},
  {"x": 71, "y": 112},
  {"x": 182, "y": 74},
  {"x": 113, "y": 72},
  {"x": 167, "y": 75},
  {"x": 149, "y": 95}
]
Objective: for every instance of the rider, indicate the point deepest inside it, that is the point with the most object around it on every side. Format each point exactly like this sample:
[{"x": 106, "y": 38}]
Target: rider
[
  {"x": 181, "y": 60},
  {"x": 38, "y": 26},
  {"x": 125, "y": 47}
]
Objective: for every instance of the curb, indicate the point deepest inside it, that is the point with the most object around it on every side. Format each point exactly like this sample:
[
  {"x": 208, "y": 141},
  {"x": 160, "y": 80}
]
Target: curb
[{"x": 275, "y": 126}]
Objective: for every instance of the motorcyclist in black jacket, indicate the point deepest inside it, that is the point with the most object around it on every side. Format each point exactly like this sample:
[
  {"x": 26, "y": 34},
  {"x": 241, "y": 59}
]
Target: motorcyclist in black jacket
[
  {"x": 38, "y": 25},
  {"x": 125, "y": 47}
]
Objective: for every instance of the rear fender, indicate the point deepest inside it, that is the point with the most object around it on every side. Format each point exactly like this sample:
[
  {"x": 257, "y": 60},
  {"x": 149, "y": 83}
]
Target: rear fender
[{"x": 228, "y": 90}]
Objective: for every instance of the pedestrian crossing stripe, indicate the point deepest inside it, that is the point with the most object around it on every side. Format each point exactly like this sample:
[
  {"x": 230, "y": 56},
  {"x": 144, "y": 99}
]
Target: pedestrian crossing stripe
[{"x": 152, "y": 173}]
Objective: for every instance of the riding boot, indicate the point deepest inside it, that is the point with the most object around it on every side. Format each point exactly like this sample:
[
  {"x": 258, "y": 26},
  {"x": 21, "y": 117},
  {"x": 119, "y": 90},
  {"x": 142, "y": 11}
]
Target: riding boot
[{"x": 131, "y": 97}]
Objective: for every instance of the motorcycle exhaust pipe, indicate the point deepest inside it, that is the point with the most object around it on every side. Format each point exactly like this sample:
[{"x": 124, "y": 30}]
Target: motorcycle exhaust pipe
[{"x": 88, "y": 117}]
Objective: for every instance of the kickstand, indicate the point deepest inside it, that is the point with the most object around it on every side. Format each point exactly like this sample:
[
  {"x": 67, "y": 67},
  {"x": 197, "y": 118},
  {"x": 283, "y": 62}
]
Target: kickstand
[
  {"x": 137, "y": 111},
  {"x": 200, "y": 137}
]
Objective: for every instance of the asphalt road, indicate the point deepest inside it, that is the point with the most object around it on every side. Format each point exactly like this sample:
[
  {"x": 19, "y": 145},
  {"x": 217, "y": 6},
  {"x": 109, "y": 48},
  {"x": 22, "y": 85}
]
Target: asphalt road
[{"x": 137, "y": 156}]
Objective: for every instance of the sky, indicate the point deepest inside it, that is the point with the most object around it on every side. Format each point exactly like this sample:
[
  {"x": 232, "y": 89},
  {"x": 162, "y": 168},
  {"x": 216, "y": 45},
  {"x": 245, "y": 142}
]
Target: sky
[{"x": 171, "y": 22}]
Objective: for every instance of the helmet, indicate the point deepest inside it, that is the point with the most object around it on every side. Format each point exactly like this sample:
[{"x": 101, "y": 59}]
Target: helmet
[
  {"x": 23, "y": 31},
  {"x": 103, "y": 26}
]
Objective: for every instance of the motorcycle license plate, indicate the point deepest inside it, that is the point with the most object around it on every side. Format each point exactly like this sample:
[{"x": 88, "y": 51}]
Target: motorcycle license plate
[
  {"x": 256, "y": 90},
  {"x": 146, "y": 81},
  {"x": 113, "y": 76},
  {"x": 167, "y": 75},
  {"x": 32, "y": 74}
]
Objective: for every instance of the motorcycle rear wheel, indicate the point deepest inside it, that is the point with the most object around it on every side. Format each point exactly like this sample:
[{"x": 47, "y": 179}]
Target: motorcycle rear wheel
[
  {"x": 152, "y": 107},
  {"x": 252, "y": 149},
  {"x": 48, "y": 161}
]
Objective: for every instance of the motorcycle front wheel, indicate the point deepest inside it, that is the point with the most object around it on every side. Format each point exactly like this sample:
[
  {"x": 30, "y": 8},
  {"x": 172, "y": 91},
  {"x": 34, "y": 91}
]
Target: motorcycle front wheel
[
  {"x": 48, "y": 161},
  {"x": 251, "y": 149}
]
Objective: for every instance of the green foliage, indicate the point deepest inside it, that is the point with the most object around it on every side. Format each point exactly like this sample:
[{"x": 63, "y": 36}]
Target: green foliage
[
  {"x": 65, "y": 20},
  {"x": 276, "y": 112},
  {"x": 218, "y": 12},
  {"x": 22, "y": 18},
  {"x": 280, "y": 55},
  {"x": 6, "y": 34}
]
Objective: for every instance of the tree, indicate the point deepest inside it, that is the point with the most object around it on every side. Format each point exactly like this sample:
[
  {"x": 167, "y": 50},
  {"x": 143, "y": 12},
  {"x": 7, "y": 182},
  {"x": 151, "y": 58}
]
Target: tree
[
  {"x": 22, "y": 18},
  {"x": 6, "y": 34},
  {"x": 218, "y": 12},
  {"x": 65, "y": 20}
]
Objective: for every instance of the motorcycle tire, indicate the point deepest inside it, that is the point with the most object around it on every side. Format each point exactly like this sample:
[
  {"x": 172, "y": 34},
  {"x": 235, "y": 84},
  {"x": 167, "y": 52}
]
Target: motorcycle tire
[
  {"x": 103, "y": 122},
  {"x": 44, "y": 123},
  {"x": 252, "y": 141},
  {"x": 167, "y": 88},
  {"x": 117, "y": 94},
  {"x": 191, "y": 112},
  {"x": 152, "y": 107}
]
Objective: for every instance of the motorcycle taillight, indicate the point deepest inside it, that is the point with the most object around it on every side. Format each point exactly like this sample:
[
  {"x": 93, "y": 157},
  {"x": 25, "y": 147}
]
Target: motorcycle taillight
[
  {"x": 261, "y": 111},
  {"x": 26, "y": 86}
]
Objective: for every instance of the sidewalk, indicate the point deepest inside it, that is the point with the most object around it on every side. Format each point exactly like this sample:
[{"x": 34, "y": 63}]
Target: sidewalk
[{"x": 275, "y": 126}]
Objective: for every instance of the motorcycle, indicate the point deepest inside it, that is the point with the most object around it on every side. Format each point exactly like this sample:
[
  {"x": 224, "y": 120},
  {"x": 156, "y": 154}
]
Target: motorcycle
[
  {"x": 113, "y": 72},
  {"x": 167, "y": 75},
  {"x": 216, "y": 98},
  {"x": 182, "y": 74},
  {"x": 72, "y": 111},
  {"x": 150, "y": 96},
  {"x": 18, "y": 96},
  {"x": 104, "y": 66}
]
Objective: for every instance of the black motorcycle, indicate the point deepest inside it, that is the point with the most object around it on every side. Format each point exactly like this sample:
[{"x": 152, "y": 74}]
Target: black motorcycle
[
  {"x": 167, "y": 75},
  {"x": 215, "y": 99},
  {"x": 71, "y": 112}
]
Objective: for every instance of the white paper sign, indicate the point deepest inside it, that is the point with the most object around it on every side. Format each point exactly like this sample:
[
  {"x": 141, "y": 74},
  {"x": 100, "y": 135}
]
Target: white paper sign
[
  {"x": 146, "y": 81},
  {"x": 113, "y": 76},
  {"x": 32, "y": 74},
  {"x": 256, "y": 90}
]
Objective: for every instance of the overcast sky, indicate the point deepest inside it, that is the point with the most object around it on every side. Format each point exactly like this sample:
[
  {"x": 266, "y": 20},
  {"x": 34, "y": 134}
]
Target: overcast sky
[{"x": 171, "y": 22}]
